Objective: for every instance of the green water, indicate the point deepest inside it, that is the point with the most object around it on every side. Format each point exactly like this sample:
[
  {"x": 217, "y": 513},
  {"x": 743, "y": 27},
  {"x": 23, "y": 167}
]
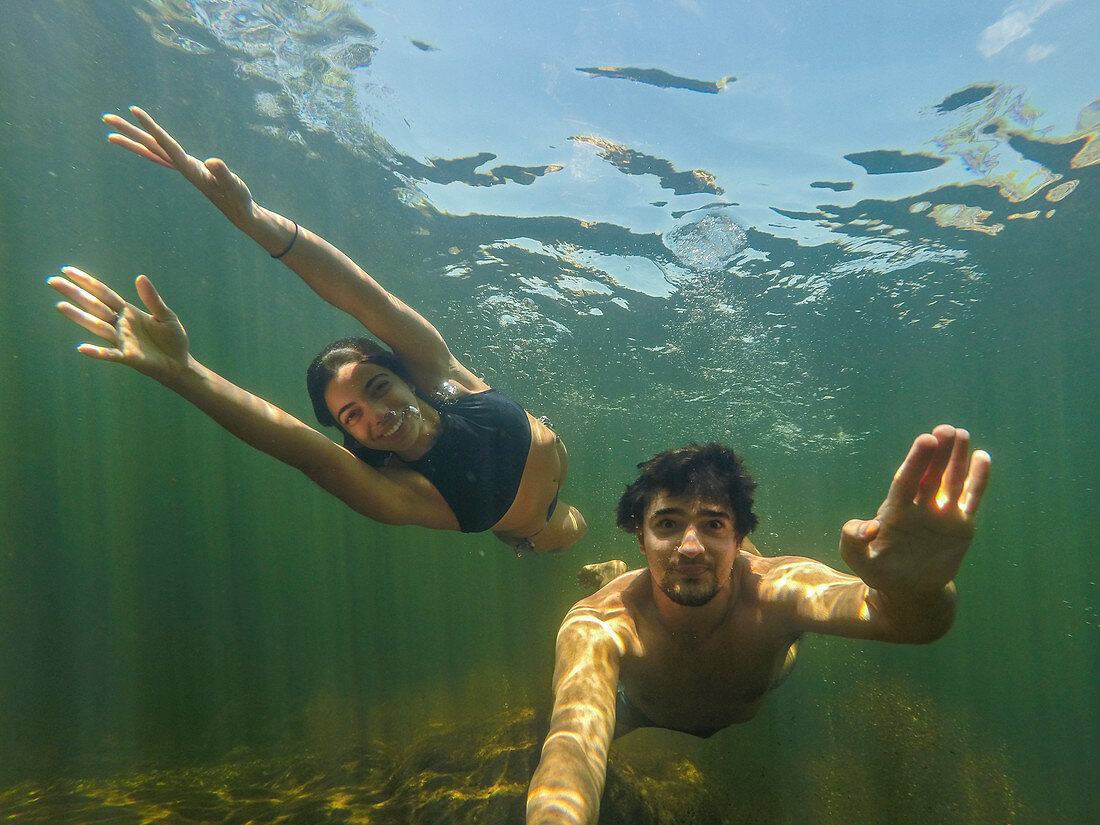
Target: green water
[{"x": 169, "y": 597}]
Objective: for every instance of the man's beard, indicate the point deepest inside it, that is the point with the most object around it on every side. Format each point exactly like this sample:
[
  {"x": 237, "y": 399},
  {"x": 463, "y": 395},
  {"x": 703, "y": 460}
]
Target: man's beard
[{"x": 693, "y": 592}]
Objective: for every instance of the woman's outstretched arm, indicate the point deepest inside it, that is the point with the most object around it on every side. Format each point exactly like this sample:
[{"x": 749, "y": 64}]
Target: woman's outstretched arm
[
  {"x": 155, "y": 344},
  {"x": 328, "y": 271}
]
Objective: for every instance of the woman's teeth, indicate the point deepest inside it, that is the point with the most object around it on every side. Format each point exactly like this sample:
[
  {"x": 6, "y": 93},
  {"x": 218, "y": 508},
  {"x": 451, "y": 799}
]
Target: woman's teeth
[
  {"x": 398, "y": 417},
  {"x": 395, "y": 418}
]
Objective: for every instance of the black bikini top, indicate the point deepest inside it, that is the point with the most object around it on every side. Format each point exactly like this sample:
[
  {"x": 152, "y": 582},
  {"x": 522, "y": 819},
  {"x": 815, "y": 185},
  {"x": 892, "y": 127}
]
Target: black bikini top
[{"x": 478, "y": 458}]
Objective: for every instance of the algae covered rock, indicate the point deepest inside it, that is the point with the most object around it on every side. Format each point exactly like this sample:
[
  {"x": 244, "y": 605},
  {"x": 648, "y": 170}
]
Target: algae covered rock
[
  {"x": 669, "y": 791},
  {"x": 463, "y": 774},
  {"x": 471, "y": 774}
]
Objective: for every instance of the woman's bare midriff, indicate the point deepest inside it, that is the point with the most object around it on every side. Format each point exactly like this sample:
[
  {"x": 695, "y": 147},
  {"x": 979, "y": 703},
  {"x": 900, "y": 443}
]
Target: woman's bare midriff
[{"x": 543, "y": 477}]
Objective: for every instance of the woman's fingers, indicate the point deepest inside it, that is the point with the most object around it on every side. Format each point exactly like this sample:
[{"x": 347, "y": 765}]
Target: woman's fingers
[
  {"x": 139, "y": 149},
  {"x": 88, "y": 302},
  {"x": 225, "y": 178},
  {"x": 95, "y": 287},
  {"x": 152, "y": 300},
  {"x": 153, "y": 143},
  {"x": 102, "y": 353},
  {"x": 174, "y": 151},
  {"x": 136, "y": 140},
  {"x": 93, "y": 323}
]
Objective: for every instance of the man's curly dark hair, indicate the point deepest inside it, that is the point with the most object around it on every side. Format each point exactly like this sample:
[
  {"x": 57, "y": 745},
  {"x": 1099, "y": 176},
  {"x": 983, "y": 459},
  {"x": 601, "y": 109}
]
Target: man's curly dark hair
[{"x": 711, "y": 471}]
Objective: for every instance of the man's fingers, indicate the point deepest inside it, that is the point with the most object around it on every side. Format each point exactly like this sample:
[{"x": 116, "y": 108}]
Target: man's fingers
[
  {"x": 976, "y": 481},
  {"x": 861, "y": 530},
  {"x": 906, "y": 483},
  {"x": 954, "y": 477},
  {"x": 932, "y": 480},
  {"x": 855, "y": 540}
]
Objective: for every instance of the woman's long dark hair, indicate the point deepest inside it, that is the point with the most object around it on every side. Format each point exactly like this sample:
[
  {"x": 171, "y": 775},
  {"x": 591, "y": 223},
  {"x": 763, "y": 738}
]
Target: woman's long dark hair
[{"x": 323, "y": 369}]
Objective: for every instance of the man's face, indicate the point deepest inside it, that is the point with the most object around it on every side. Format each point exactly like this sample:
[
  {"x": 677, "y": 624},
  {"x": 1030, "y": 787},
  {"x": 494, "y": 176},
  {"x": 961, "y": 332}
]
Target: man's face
[{"x": 691, "y": 545}]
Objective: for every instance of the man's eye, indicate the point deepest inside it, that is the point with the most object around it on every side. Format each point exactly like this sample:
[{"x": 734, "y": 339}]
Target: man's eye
[
  {"x": 666, "y": 524},
  {"x": 351, "y": 416}
]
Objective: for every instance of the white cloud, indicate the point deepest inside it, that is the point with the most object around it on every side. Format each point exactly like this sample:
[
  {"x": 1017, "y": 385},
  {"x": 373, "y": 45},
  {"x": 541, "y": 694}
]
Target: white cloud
[
  {"x": 1015, "y": 22},
  {"x": 690, "y": 6},
  {"x": 1038, "y": 52}
]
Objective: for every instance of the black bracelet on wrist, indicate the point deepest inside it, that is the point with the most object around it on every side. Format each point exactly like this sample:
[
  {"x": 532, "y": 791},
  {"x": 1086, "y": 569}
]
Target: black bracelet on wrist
[{"x": 289, "y": 245}]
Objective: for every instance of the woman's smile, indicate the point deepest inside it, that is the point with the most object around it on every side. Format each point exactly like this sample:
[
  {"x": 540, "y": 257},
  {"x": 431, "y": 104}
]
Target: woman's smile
[{"x": 396, "y": 423}]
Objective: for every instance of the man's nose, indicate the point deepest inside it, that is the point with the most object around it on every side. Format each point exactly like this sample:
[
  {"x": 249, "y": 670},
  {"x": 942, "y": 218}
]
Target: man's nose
[{"x": 690, "y": 545}]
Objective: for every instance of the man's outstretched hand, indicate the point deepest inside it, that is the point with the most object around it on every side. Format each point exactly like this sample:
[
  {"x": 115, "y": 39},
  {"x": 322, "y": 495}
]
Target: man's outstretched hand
[{"x": 917, "y": 540}]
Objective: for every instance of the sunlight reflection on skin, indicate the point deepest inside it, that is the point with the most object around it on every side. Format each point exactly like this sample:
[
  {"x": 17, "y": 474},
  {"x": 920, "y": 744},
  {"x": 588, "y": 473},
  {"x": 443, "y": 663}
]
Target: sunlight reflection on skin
[
  {"x": 576, "y": 619},
  {"x": 598, "y": 634},
  {"x": 589, "y": 649},
  {"x": 562, "y": 804},
  {"x": 817, "y": 600},
  {"x": 848, "y": 607}
]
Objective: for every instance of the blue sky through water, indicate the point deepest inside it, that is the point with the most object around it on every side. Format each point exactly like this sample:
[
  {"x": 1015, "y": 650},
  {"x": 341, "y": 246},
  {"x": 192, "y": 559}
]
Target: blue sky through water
[
  {"x": 808, "y": 105},
  {"x": 815, "y": 82}
]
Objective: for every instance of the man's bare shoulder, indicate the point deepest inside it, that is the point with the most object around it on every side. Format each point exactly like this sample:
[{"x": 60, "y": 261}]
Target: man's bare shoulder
[
  {"x": 607, "y": 615},
  {"x": 609, "y": 598},
  {"x": 777, "y": 578}
]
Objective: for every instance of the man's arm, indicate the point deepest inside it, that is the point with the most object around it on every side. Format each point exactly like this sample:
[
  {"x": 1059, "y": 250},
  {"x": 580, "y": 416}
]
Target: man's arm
[
  {"x": 824, "y": 600},
  {"x": 569, "y": 780},
  {"x": 905, "y": 558}
]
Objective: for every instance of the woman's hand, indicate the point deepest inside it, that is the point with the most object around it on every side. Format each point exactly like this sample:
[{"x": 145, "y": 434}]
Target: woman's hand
[
  {"x": 153, "y": 344},
  {"x": 212, "y": 177}
]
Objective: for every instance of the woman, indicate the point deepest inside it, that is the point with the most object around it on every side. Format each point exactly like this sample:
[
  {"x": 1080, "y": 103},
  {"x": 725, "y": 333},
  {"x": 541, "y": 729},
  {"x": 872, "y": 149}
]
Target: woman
[{"x": 426, "y": 441}]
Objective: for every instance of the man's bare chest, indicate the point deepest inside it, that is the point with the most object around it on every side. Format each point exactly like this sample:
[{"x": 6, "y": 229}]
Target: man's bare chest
[{"x": 691, "y": 683}]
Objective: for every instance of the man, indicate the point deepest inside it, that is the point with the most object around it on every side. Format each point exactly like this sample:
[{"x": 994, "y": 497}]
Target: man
[{"x": 696, "y": 639}]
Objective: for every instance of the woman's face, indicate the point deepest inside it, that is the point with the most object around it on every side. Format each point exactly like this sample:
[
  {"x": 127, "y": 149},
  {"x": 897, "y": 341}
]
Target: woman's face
[{"x": 374, "y": 406}]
